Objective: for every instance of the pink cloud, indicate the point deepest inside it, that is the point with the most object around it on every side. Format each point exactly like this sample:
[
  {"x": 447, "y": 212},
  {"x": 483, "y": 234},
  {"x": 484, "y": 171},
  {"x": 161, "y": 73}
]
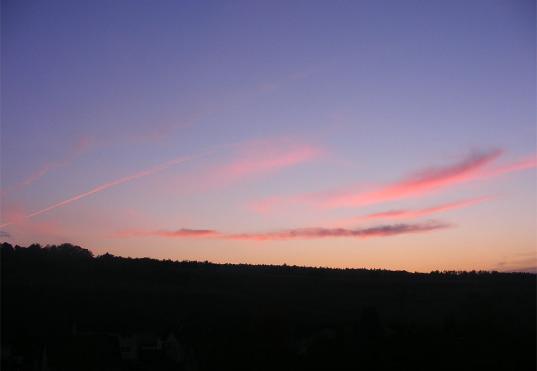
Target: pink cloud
[
  {"x": 13, "y": 212},
  {"x": 25, "y": 227},
  {"x": 416, "y": 213},
  {"x": 316, "y": 233},
  {"x": 44, "y": 228},
  {"x": 529, "y": 162},
  {"x": 476, "y": 166},
  {"x": 264, "y": 162},
  {"x": 251, "y": 160},
  {"x": 418, "y": 184},
  {"x": 298, "y": 233},
  {"x": 267, "y": 205},
  {"x": 83, "y": 144}
]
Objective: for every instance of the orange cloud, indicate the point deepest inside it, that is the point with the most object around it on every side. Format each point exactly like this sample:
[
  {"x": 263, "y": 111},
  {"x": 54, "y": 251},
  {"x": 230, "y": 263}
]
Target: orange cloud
[
  {"x": 521, "y": 262},
  {"x": 182, "y": 233}
]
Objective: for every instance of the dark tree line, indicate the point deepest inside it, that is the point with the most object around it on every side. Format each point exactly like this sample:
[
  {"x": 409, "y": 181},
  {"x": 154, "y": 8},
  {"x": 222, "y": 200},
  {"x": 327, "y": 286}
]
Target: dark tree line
[{"x": 60, "y": 300}]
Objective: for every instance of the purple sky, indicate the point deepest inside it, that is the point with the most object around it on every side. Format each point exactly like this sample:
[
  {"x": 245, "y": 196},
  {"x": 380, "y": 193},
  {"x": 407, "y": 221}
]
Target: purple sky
[{"x": 392, "y": 134}]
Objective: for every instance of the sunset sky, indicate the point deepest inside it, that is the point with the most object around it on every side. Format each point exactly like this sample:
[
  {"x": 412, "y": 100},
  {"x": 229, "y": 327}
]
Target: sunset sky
[{"x": 376, "y": 134}]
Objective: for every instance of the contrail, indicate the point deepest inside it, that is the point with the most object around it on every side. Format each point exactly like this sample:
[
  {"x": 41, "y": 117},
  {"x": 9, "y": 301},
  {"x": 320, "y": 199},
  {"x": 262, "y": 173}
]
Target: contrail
[{"x": 102, "y": 187}]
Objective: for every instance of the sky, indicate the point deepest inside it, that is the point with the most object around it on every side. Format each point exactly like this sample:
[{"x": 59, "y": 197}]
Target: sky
[{"x": 363, "y": 134}]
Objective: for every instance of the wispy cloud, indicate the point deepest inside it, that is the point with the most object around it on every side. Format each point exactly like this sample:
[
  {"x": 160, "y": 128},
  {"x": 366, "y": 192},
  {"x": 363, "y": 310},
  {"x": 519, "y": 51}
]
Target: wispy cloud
[
  {"x": 386, "y": 230},
  {"x": 252, "y": 159},
  {"x": 160, "y": 132},
  {"x": 42, "y": 171},
  {"x": 85, "y": 143},
  {"x": 476, "y": 166},
  {"x": 114, "y": 183},
  {"x": 27, "y": 228},
  {"x": 251, "y": 163},
  {"x": 315, "y": 233},
  {"x": 4, "y": 234},
  {"x": 530, "y": 162},
  {"x": 269, "y": 204},
  {"x": 273, "y": 85},
  {"x": 78, "y": 147},
  {"x": 416, "y": 213},
  {"x": 179, "y": 233},
  {"x": 81, "y": 145},
  {"x": 522, "y": 262},
  {"x": 418, "y": 184}
]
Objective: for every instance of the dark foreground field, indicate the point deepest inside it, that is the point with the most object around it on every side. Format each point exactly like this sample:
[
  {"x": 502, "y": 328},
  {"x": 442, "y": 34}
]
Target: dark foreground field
[{"x": 63, "y": 309}]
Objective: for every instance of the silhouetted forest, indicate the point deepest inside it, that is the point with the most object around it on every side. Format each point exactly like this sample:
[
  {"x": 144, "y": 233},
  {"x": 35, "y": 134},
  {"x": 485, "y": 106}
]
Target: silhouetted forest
[{"x": 64, "y": 309}]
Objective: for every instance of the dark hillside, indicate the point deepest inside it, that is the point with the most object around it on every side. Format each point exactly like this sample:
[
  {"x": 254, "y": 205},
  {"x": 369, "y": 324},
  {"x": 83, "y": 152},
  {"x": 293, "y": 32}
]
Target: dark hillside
[{"x": 63, "y": 309}]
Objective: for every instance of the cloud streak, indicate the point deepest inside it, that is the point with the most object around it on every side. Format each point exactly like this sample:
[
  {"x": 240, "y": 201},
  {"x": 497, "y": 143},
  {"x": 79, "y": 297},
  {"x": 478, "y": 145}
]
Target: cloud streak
[
  {"x": 417, "y": 213},
  {"x": 27, "y": 228},
  {"x": 529, "y": 162},
  {"x": 476, "y": 166},
  {"x": 179, "y": 233},
  {"x": 253, "y": 159},
  {"x": 522, "y": 262},
  {"x": 265, "y": 162},
  {"x": 114, "y": 183},
  {"x": 418, "y": 184},
  {"x": 386, "y": 230},
  {"x": 78, "y": 148}
]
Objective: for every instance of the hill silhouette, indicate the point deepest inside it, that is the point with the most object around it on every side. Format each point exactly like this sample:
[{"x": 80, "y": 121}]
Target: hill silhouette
[{"x": 65, "y": 309}]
